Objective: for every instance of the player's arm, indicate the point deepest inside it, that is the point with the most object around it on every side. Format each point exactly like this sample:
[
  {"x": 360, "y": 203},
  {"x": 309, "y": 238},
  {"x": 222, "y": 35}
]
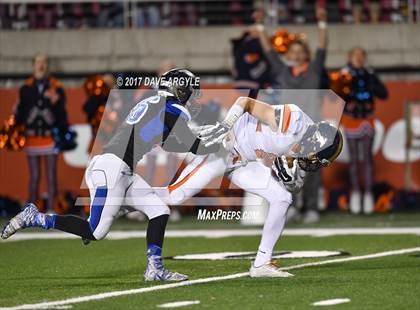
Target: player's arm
[
  {"x": 172, "y": 144},
  {"x": 191, "y": 141},
  {"x": 260, "y": 110},
  {"x": 175, "y": 145},
  {"x": 265, "y": 113},
  {"x": 184, "y": 140}
]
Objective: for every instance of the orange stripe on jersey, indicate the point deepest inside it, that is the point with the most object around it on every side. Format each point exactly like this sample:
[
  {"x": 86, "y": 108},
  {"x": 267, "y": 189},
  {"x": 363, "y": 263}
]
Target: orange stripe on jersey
[
  {"x": 286, "y": 118},
  {"x": 173, "y": 187}
]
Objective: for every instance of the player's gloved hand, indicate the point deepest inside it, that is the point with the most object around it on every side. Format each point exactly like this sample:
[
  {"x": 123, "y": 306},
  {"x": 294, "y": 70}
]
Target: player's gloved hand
[
  {"x": 214, "y": 134},
  {"x": 282, "y": 171},
  {"x": 292, "y": 177},
  {"x": 198, "y": 129}
]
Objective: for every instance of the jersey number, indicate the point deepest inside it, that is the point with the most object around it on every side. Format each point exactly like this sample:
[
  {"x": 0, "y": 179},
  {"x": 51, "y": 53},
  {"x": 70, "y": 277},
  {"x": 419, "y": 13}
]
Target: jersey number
[{"x": 140, "y": 110}]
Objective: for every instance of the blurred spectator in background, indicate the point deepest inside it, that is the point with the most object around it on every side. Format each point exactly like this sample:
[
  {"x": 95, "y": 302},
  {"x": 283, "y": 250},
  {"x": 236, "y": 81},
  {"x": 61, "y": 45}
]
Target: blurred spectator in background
[
  {"x": 41, "y": 109},
  {"x": 147, "y": 15},
  {"x": 152, "y": 13},
  {"x": 358, "y": 122},
  {"x": 104, "y": 107},
  {"x": 298, "y": 71},
  {"x": 97, "y": 90}
]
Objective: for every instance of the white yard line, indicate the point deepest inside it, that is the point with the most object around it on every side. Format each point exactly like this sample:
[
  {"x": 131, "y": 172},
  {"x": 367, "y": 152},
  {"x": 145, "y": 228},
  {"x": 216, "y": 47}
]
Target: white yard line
[
  {"x": 178, "y": 304},
  {"x": 222, "y": 233},
  {"x": 106, "y": 295},
  {"x": 331, "y": 302}
]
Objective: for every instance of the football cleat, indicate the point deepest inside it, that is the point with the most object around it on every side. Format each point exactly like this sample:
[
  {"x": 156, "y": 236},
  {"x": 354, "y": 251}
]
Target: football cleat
[
  {"x": 28, "y": 217},
  {"x": 268, "y": 270},
  {"x": 155, "y": 271},
  {"x": 85, "y": 241}
]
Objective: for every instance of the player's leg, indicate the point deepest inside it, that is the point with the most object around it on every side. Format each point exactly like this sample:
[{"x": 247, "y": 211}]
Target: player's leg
[
  {"x": 142, "y": 198},
  {"x": 194, "y": 178},
  {"x": 256, "y": 178},
  {"x": 107, "y": 186},
  {"x": 108, "y": 180}
]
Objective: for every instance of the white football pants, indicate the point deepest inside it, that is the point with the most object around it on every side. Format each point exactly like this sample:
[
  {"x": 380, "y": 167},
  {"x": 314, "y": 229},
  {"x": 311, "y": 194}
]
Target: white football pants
[
  {"x": 111, "y": 185},
  {"x": 253, "y": 177}
]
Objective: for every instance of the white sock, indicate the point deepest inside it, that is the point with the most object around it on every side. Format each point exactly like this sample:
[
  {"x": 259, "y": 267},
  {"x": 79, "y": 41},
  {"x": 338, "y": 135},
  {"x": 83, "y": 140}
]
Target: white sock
[
  {"x": 272, "y": 230},
  {"x": 263, "y": 257}
]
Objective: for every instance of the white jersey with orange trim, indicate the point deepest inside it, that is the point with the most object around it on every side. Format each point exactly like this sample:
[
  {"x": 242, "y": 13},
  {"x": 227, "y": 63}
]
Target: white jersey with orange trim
[{"x": 250, "y": 140}]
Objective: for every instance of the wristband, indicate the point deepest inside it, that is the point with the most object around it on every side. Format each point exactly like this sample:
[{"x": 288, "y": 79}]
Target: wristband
[{"x": 235, "y": 112}]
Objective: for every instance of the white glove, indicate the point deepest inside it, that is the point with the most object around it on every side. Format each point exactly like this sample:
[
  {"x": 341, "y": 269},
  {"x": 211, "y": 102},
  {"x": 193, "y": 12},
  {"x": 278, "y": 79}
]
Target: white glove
[
  {"x": 214, "y": 134},
  {"x": 198, "y": 129},
  {"x": 291, "y": 177}
]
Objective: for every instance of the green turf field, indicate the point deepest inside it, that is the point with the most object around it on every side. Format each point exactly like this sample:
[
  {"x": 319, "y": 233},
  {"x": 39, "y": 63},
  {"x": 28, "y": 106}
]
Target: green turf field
[{"x": 39, "y": 271}]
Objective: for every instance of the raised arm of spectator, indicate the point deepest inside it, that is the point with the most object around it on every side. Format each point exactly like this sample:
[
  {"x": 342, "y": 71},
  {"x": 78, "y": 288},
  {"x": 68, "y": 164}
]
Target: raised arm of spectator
[
  {"x": 321, "y": 51},
  {"x": 273, "y": 58},
  {"x": 321, "y": 15}
]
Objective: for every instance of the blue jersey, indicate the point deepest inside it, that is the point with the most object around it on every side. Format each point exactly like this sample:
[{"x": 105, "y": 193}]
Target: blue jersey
[{"x": 157, "y": 120}]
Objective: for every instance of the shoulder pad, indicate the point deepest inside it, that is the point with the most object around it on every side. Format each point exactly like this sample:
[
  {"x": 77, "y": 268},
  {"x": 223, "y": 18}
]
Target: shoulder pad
[{"x": 177, "y": 109}]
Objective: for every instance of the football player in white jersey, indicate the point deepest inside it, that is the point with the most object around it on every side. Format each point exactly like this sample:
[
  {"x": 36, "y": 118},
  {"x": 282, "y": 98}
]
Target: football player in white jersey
[{"x": 268, "y": 150}]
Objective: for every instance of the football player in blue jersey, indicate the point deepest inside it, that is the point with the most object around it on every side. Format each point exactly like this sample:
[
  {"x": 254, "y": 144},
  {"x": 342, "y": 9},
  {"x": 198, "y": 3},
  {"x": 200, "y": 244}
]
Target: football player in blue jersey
[{"x": 157, "y": 120}]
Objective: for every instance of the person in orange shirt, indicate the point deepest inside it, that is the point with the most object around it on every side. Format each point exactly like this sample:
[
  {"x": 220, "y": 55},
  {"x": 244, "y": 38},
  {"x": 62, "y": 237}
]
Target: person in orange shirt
[{"x": 41, "y": 110}]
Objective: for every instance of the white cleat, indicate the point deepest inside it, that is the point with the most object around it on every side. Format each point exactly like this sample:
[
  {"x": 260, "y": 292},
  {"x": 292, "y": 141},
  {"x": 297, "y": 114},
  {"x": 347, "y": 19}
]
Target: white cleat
[{"x": 268, "y": 270}]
